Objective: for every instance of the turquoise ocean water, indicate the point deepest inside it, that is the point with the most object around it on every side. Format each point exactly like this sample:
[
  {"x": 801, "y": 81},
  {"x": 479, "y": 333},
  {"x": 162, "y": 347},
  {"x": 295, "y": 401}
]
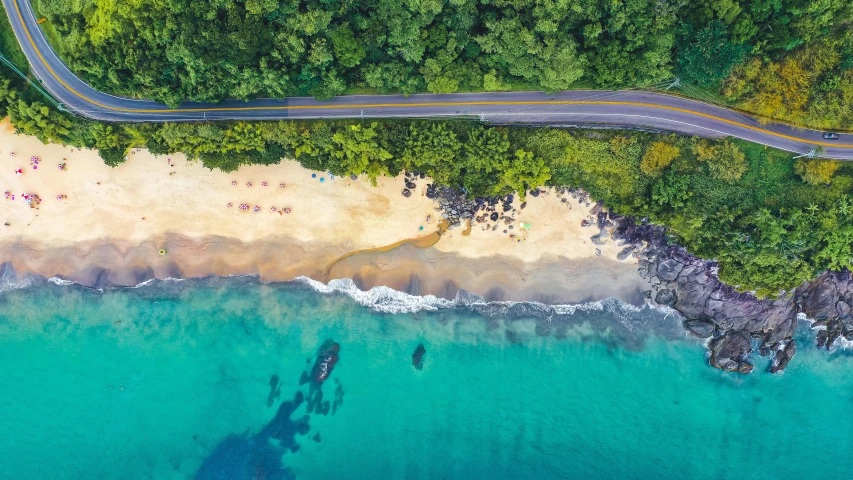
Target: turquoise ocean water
[{"x": 173, "y": 380}]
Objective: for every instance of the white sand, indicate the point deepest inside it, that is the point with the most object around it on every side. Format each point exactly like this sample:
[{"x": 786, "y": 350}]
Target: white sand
[
  {"x": 139, "y": 200},
  {"x": 141, "y": 204}
]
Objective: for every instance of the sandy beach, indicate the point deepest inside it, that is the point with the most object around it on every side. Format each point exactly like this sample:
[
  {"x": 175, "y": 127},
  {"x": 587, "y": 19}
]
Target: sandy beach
[{"x": 100, "y": 225}]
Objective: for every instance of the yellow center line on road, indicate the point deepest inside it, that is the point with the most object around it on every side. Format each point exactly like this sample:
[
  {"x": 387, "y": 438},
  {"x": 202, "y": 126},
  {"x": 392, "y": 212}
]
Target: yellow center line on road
[{"x": 403, "y": 105}]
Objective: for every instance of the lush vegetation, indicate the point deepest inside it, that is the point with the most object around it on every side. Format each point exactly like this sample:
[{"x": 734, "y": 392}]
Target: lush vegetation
[
  {"x": 212, "y": 49},
  {"x": 812, "y": 86},
  {"x": 771, "y": 221}
]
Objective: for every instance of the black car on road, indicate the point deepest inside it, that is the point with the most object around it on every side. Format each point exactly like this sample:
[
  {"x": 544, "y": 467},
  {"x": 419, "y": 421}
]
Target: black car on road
[{"x": 830, "y": 136}]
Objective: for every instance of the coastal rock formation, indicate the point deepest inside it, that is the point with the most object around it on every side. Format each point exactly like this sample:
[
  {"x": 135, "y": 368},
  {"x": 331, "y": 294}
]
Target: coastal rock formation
[
  {"x": 700, "y": 328},
  {"x": 827, "y": 300},
  {"x": 782, "y": 357},
  {"x": 711, "y": 308},
  {"x": 730, "y": 351},
  {"x": 327, "y": 357}
]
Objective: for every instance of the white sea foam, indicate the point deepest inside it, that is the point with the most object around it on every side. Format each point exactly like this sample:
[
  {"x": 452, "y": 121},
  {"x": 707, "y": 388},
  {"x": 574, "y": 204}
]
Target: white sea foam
[
  {"x": 388, "y": 300},
  {"x": 380, "y": 299},
  {"x": 61, "y": 281},
  {"x": 843, "y": 343}
]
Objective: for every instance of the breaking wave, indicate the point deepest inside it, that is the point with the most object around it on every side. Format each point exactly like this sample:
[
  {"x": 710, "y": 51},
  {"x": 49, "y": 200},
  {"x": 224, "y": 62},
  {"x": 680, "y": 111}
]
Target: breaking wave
[{"x": 622, "y": 319}]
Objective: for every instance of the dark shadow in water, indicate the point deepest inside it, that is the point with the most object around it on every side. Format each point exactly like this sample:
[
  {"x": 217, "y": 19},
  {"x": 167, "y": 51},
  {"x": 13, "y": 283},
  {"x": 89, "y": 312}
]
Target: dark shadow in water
[
  {"x": 245, "y": 457},
  {"x": 275, "y": 391},
  {"x": 259, "y": 456}
]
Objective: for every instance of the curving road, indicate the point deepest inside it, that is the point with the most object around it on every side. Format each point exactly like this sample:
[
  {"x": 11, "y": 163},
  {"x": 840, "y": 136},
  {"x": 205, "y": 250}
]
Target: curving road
[{"x": 610, "y": 109}]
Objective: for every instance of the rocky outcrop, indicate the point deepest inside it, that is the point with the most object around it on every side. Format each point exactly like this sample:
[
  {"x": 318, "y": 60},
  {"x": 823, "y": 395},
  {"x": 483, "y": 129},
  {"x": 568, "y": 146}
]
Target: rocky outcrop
[
  {"x": 730, "y": 351},
  {"x": 827, "y": 300},
  {"x": 711, "y": 309},
  {"x": 690, "y": 285},
  {"x": 782, "y": 357},
  {"x": 327, "y": 357},
  {"x": 700, "y": 328}
]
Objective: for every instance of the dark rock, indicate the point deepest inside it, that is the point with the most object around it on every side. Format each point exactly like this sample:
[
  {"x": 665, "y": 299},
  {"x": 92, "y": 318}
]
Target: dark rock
[
  {"x": 782, "y": 357},
  {"x": 597, "y": 239},
  {"x": 411, "y": 185},
  {"x": 494, "y": 216},
  {"x": 418, "y": 357},
  {"x": 585, "y": 223},
  {"x": 601, "y": 220},
  {"x": 407, "y": 193},
  {"x": 535, "y": 192},
  {"x": 699, "y": 328},
  {"x": 327, "y": 357},
  {"x": 625, "y": 253},
  {"x": 353, "y": 177},
  {"x": 524, "y": 205},
  {"x": 843, "y": 308},
  {"x": 669, "y": 269},
  {"x": 431, "y": 193},
  {"x": 730, "y": 351},
  {"x": 666, "y": 297}
]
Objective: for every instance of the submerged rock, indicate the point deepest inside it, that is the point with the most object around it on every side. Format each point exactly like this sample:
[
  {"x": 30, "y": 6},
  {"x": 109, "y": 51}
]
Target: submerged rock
[
  {"x": 327, "y": 357},
  {"x": 418, "y": 357}
]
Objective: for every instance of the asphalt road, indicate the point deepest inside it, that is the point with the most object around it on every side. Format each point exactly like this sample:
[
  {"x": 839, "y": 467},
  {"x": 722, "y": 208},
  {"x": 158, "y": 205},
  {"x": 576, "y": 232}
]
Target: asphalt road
[{"x": 607, "y": 109}]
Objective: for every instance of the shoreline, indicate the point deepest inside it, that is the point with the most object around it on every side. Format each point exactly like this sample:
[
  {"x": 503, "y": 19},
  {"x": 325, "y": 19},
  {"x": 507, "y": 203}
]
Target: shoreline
[
  {"x": 109, "y": 228},
  {"x": 407, "y": 268},
  {"x": 100, "y": 226}
]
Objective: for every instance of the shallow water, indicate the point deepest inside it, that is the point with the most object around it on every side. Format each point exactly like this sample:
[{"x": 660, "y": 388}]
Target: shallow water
[{"x": 173, "y": 380}]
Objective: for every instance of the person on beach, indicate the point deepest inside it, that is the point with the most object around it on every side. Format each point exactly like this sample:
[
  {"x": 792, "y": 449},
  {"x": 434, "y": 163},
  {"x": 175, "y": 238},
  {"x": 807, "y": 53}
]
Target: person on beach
[{"x": 263, "y": 184}]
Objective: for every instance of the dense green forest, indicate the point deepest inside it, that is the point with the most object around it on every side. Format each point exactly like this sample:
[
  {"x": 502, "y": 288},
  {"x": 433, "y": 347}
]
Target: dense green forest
[
  {"x": 173, "y": 50},
  {"x": 770, "y": 220}
]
